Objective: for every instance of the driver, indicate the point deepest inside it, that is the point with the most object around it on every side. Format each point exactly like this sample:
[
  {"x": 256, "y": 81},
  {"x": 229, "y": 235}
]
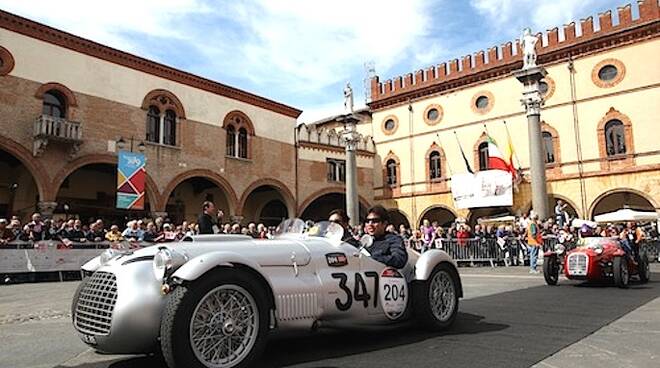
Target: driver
[
  {"x": 387, "y": 248},
  {"x": 340, "y": 218}
]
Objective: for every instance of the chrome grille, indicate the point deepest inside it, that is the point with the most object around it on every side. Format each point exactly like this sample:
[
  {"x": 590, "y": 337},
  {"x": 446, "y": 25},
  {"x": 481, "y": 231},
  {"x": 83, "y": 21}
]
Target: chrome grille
[
  {"x": 96, "y": 302},
  {"x": 577, "y": 264}
]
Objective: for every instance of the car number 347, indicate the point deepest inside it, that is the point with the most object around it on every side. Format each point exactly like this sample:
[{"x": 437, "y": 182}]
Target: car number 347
[{"x": 389, "y": 289}]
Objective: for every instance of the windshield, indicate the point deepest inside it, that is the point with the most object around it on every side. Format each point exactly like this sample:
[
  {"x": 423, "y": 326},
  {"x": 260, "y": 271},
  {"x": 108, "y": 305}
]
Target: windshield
[
  {"x": 322, "y": 229},
  {"x": 597, "y": 242}
]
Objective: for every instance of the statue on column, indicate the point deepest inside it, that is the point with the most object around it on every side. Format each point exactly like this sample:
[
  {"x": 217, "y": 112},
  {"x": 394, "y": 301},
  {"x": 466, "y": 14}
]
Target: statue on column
[
  {"x": 348, "y": 98},
  {"x": 528, "y": 45}
]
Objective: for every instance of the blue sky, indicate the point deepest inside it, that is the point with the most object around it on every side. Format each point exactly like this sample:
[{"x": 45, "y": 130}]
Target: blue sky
[{"x": 302, "y": 52}]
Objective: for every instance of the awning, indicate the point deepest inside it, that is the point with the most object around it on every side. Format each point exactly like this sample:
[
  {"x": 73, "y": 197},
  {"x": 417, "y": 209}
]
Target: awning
[{"x": 626, "y": 214}]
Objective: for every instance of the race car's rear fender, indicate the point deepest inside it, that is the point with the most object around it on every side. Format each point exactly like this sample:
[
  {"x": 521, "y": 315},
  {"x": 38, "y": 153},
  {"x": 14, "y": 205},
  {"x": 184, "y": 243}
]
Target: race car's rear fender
[{"x": 431, "y": 258}]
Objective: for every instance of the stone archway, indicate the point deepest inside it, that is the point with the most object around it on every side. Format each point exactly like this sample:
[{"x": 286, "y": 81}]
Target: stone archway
[
  {"x": 398, "y": 217},
  {"x": 266, "y": 203},
  {"x": 89, "y": 192},
  {"x": 445, "y": 216},
  {"x": 183, "y": 197},
  {"x": 617, "y": 199},
  {"x": 34, "y": 167},
  {"x": 278, "y": 190},
  {"x": 482, "y": 212},
  {"x": 318, "y": 206},
  {"x": 19, "y": 192},
  {"x": 151, "y": 189}
]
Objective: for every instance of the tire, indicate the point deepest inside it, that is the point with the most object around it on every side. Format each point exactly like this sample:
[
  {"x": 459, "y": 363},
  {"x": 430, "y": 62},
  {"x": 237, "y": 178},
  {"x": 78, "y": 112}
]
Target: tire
[
  {"x": 551, "y": 270},
  {"x": 185, "y": 304},
  {"x": 445, "y": 278},
  {"x": 643, "y": 268},
  {"x": 621, "y": 273}
]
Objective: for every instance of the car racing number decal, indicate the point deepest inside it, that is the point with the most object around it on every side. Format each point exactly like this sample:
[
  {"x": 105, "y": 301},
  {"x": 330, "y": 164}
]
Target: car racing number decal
[
  {"x": 394, "y": 293},
  {"x": 359, "y": 293}
]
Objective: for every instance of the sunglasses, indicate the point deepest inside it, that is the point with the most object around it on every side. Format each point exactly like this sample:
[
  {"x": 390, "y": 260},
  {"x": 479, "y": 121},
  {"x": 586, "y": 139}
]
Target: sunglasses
[{"x": 372, "y": 221}]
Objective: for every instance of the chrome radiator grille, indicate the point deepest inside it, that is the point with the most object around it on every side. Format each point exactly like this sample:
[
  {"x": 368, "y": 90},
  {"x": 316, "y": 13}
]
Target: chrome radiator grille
[
  {"x": 577, "y": 264},
  {"x": 96, "y": 302}
]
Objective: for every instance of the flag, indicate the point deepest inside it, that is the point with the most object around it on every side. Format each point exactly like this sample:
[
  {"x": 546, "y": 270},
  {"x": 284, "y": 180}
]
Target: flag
[
  {"x": 509, "y": 152},
  {"x": 496, "y": 160},
  {"x": 467, "y": 163},
  {"x": 508, "y": 155}
]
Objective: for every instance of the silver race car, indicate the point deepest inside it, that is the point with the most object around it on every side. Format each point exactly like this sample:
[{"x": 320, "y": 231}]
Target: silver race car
[{"x": 212, "y": 300}]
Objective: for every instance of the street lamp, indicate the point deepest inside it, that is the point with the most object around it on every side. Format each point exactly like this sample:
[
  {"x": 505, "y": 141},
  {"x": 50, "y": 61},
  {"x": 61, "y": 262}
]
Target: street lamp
[{"x": 121, "y": 144}]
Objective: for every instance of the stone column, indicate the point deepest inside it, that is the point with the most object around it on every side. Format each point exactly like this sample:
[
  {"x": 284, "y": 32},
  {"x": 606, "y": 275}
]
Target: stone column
[
  {"x": 351, "y": 138},
  {"x": 46, "y": 208},
  {"x": 532, "y": 100}
]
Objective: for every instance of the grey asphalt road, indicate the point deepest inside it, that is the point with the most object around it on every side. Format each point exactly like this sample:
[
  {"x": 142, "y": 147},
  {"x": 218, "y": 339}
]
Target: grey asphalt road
[{"x": 508, "y": 319}]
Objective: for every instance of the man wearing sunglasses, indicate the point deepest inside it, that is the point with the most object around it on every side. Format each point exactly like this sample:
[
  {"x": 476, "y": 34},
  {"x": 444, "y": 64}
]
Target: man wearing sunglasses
[
  {"x": 387, "y": 248},
  {"x": 340, "y": 218}
]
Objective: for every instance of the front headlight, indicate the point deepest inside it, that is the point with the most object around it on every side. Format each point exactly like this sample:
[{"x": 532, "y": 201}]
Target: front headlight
[
  {"x": 166, "y": 261},
  {"x": 598, "y": 250},
  {"x": 107, "y": 255}
]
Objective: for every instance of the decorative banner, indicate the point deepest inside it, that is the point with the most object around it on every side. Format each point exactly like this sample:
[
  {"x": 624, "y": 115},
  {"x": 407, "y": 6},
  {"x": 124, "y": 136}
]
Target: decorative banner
[
  {"x": 490, "y": 188},
  {"x": 130, "y": 181}
]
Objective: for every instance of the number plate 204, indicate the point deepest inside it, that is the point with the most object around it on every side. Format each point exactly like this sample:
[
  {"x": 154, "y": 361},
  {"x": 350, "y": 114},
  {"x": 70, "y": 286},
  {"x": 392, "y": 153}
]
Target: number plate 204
[{"x": 393, "y": 293}]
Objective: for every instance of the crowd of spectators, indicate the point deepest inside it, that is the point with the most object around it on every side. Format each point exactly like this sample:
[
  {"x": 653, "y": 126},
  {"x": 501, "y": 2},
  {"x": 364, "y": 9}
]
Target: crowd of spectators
[{"x": 140, "y": 230}]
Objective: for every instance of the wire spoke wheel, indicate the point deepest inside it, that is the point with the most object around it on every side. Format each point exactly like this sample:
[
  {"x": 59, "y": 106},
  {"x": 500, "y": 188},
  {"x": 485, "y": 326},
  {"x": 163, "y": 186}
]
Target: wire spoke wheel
[
  {"x": 224, "y": 326},
  {"x": 442, "y": 296}
]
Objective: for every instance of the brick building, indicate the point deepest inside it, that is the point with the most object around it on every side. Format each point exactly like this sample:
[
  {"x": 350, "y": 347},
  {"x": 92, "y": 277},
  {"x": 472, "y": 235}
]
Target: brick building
[
  {"x": 68, "y": 104},
  {"x": 599, "y": 120}
]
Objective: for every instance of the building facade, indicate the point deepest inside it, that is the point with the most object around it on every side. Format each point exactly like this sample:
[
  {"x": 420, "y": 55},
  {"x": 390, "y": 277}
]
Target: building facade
[
  {"x": 599, "y": 121},
  {"x": 67, "y": 105}
]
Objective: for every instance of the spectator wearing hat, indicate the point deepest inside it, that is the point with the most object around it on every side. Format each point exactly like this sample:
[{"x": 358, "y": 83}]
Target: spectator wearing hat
[{"x": 114, "y": 235}]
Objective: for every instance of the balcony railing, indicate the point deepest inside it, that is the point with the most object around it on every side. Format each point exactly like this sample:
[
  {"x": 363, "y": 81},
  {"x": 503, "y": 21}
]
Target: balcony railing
[{"x": 49, "y": 128}]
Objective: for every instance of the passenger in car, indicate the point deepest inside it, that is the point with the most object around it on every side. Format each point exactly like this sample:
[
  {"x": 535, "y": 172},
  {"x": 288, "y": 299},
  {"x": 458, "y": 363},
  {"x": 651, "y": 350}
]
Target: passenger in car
[
  {"x": 387, "y": 248},
  {"x": 340, "y": 217}
]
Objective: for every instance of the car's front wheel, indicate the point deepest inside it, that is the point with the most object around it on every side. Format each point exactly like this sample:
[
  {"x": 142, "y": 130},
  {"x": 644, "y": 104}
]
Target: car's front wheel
[
  {"x": 551, "y": 269},
  {"x": 621, "y": 274},
  {"x": 219, "y": 321},
  {"x": 436, "y": 299}
]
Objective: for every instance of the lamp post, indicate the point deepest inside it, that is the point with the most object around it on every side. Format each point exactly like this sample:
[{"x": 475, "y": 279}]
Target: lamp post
[{"x": 121, "y": 144}]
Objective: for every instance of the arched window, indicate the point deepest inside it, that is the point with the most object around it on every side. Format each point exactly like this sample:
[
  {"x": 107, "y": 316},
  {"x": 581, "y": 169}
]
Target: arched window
[
  {"x": 549, "y": 147},
  {"x": 239, "y": 129},
  {"x": 391, "y": 172},
  {"x": 161, "y": 128},
  {"x": 54, "y": 104},
  {"x": 169, "y": 128},
  {"x": 231, "y": 141},
  {"x": 615, "y": 138},
  {"x": 483, "y": 156},
  {"x": 242, "y": 143},
  {"x": 434, "y": 165},
  {"x": 153, "y": 125}
]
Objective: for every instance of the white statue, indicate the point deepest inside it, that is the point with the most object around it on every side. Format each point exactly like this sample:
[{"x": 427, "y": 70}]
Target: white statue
[
  {"x": 348, "y": 98},
  {"x": 528, "y": 45}
]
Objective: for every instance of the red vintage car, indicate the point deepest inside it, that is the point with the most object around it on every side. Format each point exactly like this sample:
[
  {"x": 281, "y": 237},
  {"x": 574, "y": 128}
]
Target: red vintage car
[{"x": 596, "y": 259}]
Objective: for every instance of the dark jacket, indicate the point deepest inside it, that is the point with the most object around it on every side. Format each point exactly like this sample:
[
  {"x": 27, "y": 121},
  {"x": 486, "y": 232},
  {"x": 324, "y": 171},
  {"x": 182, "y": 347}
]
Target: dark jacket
[
  {"x": 389, "y": 249},
  {"x": 348, "y": 238},
  {"x": 206, "y": 223}
]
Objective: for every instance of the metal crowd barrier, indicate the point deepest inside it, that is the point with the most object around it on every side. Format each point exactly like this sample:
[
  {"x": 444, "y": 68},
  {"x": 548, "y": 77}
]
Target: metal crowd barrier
[
  {"x": 51, "y": 256},
  {"x": 510, "y": 251}
]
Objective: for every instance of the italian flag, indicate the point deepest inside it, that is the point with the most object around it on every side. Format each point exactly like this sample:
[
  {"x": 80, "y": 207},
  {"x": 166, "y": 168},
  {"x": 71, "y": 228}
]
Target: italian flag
[{"x": 496, "y": 160}]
